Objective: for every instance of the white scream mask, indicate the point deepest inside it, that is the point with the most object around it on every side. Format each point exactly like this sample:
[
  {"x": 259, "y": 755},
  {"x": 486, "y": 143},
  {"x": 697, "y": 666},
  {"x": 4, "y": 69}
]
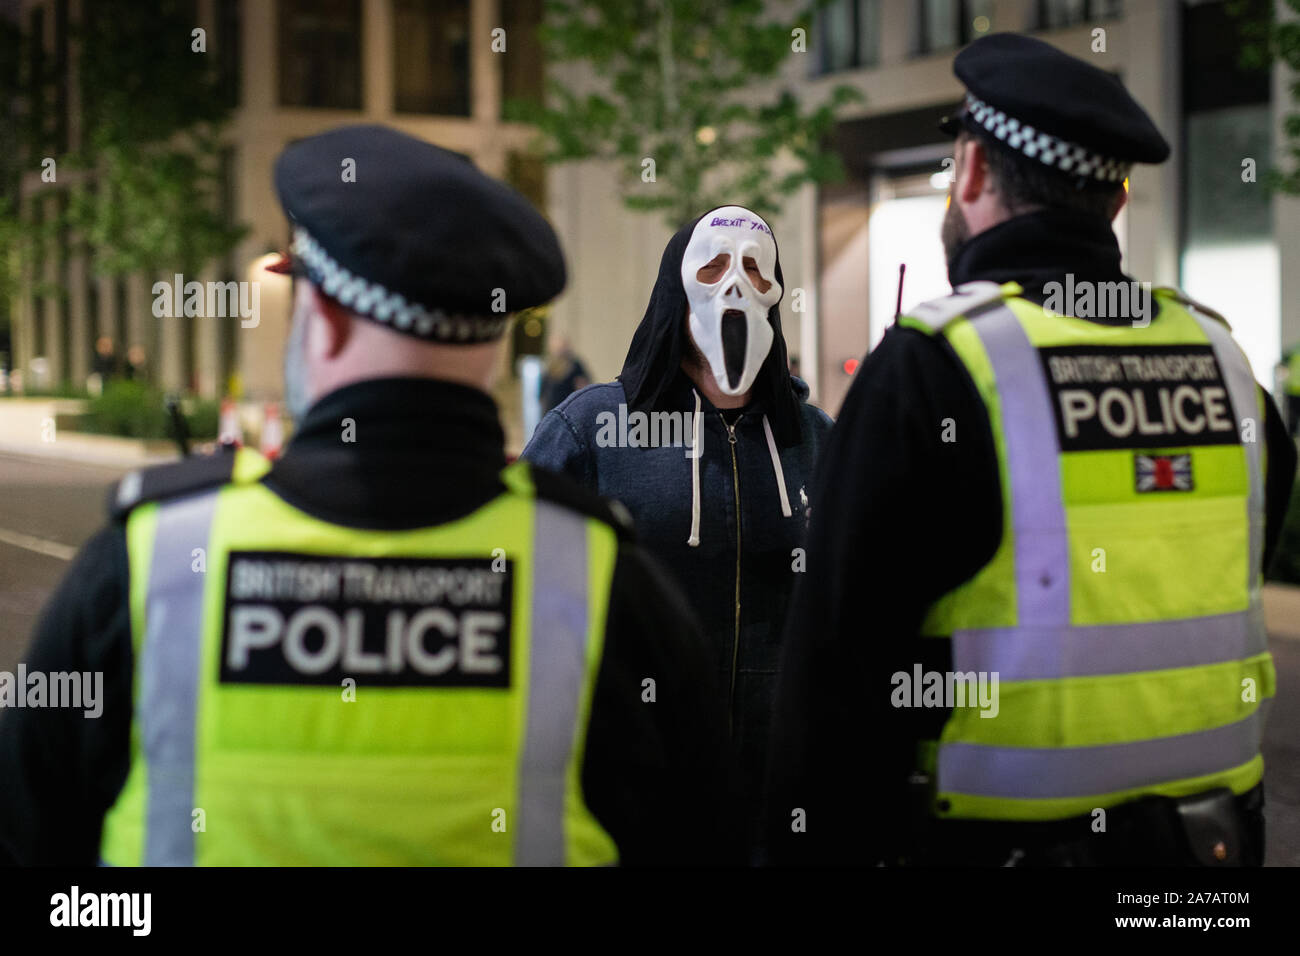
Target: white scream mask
[{"x": 734, "y": 346}]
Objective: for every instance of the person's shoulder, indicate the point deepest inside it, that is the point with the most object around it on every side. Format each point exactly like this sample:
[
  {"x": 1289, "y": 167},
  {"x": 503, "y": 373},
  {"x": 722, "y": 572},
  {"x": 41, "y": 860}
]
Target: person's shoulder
[
  {"x": 1192, "y": 305},
  {"x": 966, "y": 301},
  {"x": 184, "y": 477},
  {"x": 561, "y": 490},
  {"x": 815, "y": 417},
  {"x": 810, "y": 414},
  {"x": 586, "y": 403}
]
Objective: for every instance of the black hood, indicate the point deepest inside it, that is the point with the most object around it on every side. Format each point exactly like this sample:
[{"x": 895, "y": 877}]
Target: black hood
[{"x": 662, "y": 340}]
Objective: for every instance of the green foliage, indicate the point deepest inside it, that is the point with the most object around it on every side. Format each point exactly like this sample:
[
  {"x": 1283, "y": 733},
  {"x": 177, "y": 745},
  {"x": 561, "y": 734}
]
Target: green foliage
[
  {"x": 152, "y": 109},
  {"x": 143, "y": 191},
  {"x": 63, "y": 389},
  {"x": 1264, "y": 40},
  {"x": 204, "y": 418},
  {"x": 692, "y": 86},
  {"x": 137, "y": 410},
  {"x": 129, "y": 409},
  {"x": 1286, "y": 559}
]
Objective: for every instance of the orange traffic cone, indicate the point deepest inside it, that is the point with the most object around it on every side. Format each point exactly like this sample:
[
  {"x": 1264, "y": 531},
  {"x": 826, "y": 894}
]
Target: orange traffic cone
[
  {"x": 229, "y": 430},
  {"x": 272, "y": 431}
]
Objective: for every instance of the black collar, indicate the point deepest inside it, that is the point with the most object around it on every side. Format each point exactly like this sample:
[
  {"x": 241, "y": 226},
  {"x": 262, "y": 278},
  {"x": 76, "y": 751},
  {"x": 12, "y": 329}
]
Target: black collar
[
  {"x": 394, "y": 453},
  {"x": 406, "y": 415},
  {"x": 1038, "y": 248}
]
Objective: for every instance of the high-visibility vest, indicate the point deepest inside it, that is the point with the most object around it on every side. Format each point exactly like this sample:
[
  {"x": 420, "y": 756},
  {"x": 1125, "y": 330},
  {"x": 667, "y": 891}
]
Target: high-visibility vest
[
  {"x": 307, "y": 693},
  {"x": 1121, "y": 612}
]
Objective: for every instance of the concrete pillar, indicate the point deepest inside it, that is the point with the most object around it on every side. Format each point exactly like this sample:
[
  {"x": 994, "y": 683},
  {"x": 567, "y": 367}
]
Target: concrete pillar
[
  {"x": 261, "y": 31},
  {"x": 169, "y": 363},
  {"x": 897, "y": 24},
  {"x": 106, "y": 321},
  {"x": 484, "y": 65},
  {"x": 140, "y": 322},
  {"x": 24, "y": 313},
  {"x": 377, "y": 58},
  {"x": 52, "y": 305},
  {"x": 207, "y": 345},
  {"x": 1286, "y": 209},
  {"x": 259, "y": 350},
  {"x": 808, "y": 343},
  {"x": 1013, "y": 16},
  {"x": 1152, "y": 68},
  {"x": 80, "y": 337}
]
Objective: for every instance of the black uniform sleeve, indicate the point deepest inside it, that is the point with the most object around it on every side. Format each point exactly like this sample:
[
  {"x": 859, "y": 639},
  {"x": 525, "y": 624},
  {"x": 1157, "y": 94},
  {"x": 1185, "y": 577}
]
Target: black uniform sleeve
[
  {"x": 1279, "y": 478},
  {"x": 60, "y": 768},
  {"x": 907, "y": 507},
  {"x": 657, "y": 772}
]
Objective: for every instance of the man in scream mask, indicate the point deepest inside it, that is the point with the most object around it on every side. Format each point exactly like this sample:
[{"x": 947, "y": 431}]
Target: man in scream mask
[{"x": 708, "y": 441}]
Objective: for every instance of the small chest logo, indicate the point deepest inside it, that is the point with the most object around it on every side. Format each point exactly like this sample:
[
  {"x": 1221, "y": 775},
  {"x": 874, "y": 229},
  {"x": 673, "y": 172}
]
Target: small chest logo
[{"x": 1163, "y": 472}]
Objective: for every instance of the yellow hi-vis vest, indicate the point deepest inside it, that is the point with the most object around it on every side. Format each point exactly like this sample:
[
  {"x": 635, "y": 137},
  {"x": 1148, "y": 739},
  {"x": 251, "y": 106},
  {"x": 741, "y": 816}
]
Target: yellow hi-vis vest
[
  {"x": 1121, "y": 612},
  {"x": 310, "y": 694}
]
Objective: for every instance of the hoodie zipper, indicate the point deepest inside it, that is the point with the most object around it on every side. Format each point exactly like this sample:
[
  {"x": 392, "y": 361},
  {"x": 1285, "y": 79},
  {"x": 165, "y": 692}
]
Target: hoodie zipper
[{"x": 735, "y": 643}]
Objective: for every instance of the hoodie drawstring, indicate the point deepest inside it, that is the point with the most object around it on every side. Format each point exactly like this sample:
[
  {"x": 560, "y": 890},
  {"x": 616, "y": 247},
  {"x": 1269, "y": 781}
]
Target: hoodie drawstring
[
  {"x": 776, "y": 468},
  {"x": 697, "y": 450}
]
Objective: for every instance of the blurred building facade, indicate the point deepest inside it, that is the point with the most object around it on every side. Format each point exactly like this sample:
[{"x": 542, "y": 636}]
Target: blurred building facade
[
  {"x": 1196, "y": 222},
  {"x": 428, "y": 67},
  {"x": 297, "y": 67}
]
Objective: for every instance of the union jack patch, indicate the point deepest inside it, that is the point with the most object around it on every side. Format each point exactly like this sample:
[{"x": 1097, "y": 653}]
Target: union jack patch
[{"x": 1163, "y": 472}]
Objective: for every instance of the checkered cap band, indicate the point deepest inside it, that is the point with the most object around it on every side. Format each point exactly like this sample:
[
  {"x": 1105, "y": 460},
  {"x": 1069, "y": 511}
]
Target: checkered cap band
[
  {"x": 388, "y": 308},
  {"x": 1047, "y": 149}
]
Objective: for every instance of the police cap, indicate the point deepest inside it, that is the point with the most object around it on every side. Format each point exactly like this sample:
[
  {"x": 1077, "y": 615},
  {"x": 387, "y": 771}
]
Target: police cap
[
  {"x": 413, "y": 236},
  {"x": 1030, "y": 98}
]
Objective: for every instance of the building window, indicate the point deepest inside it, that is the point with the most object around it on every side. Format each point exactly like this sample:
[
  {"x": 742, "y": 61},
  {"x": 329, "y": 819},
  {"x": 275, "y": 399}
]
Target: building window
[
  {"x": 229, "y": 37},
  {"x": 320, "y": 53},
  {"x": 431, "y": 56},
  {"x": 61, "y": 71},
  {"x": 947, "y": 24},
  {"x": 37, "y": 80},
  {"x": 522, "y": 62},
  {"x": 1055, "y": 14},
  {"x": 848, "y": 35}
]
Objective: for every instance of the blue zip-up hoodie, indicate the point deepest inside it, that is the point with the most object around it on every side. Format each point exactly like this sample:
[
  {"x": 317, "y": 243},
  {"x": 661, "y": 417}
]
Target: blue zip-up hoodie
[{"x": 730, "y": 521}]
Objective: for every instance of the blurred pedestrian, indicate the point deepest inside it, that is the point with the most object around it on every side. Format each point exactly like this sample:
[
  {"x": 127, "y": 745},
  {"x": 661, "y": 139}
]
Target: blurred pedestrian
[
  {"x": 135, "y": 368},
  {"x": 565, "y": 373},
  {"x": 105, "y": 362}
]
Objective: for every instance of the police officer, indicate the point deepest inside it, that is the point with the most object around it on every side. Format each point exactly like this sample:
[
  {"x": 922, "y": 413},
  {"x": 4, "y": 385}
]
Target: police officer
[
  {"x": 389, "y": 647},
  {"x": 1030, "y": 630}
]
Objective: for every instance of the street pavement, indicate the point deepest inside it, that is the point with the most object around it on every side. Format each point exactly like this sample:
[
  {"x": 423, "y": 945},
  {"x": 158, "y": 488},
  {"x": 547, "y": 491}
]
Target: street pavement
[{"x": 49, "y": 507}]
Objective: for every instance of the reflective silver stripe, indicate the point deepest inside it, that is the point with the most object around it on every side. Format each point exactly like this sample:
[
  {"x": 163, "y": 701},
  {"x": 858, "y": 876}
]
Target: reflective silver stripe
[
  {"x": 1046, "y": 653},
  {"x": 1046, "y": 773},
  {"x": 1241, "y": 386},
  {"x": 169, "y": 678},
  {"x": 557, "y": 676},
  {"x": 1033, "y": 460}
]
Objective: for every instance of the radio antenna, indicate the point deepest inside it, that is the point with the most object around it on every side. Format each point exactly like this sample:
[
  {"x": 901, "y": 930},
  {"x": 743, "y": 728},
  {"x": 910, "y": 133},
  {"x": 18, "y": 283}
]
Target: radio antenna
[{"x": 898, "y": 307}]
